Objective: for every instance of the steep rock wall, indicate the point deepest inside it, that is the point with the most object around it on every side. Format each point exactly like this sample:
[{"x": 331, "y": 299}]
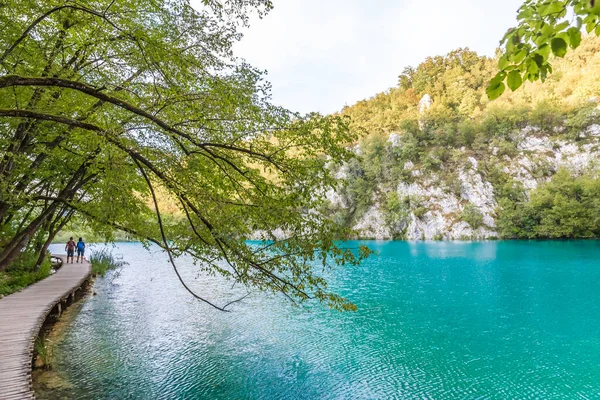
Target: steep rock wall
[{"x": 439, "y": 212}]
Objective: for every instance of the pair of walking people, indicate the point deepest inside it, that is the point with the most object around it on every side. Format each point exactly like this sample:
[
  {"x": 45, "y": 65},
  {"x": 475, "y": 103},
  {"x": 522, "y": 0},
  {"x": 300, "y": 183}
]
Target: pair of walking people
[{"x": 70, "y": 249}]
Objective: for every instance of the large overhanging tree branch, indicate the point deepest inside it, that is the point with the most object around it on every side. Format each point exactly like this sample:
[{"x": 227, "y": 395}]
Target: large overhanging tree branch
[
  {"x": 546, "y": 27},
  {"x": 226, "y": 250},
  {"x": 13, "y": 80},
  {"x": 181, "y": 145}
]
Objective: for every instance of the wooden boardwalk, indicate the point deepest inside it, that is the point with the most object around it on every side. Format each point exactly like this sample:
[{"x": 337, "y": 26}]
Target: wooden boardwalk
[{"x": 22, "y": 315}]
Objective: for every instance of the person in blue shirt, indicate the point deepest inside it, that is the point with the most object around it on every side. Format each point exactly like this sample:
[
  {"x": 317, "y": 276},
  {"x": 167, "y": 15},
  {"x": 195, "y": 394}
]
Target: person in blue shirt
[{"x": 80, "y": 250}]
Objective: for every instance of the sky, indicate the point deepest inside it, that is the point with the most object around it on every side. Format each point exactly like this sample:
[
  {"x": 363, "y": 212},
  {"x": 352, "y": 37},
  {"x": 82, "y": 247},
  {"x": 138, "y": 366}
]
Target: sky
[{"x": 323, "y": 54}]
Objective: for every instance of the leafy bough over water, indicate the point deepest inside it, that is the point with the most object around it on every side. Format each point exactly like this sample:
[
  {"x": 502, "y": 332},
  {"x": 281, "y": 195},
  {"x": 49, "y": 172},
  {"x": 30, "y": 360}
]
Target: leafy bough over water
[{"x": 105, "y": 105}]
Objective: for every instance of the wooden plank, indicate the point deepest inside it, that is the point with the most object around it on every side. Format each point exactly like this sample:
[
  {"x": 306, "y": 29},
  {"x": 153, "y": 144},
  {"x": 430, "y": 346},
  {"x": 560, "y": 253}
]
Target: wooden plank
[{"x": 21, "y": 317}]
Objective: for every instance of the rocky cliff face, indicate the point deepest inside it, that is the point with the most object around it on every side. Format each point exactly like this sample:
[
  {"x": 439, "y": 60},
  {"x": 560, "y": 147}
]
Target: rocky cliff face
[{"x": 439, "y": 213}]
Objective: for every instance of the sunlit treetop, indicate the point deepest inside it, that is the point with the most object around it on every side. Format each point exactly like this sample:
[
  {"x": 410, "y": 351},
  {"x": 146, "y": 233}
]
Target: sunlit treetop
[{"x": 545, "y": 28}]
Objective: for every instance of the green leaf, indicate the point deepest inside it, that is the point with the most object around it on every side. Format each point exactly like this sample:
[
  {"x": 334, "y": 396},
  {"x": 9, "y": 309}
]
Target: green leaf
[
  {"x": 544, "y": 73},
  {"x": 574, "y": 37},
  {"x": 540, "y": 40},
  {"x": 525, "y": 14},
  {"x": 590, "y": 26},
  {"x": 547, "y": 30},
  {"x": 495, "y": 90},
  {"x": 579, "y": 8},
  {"x": 498, "y": 78},
  {"x": 564, "y": 36},
  {"x": 539, "y": 60},
  {"x": 593, "y": 7},
  {"x": 508, "y": 36},
  {"x": 514, "y": 80},
  {"x": 561, "y": 26},
  {"x": 519, "y": 56},
  {"x": 589, "y": 18},
  {"x": 556, "y": 7},
  {"x": 503, "y": 63},
  {"x": 559, "y": 47},
  {"x": 598, "y": 30},
  {"x": 544, "y": 51},
  {"x": 532, "y": 67}
]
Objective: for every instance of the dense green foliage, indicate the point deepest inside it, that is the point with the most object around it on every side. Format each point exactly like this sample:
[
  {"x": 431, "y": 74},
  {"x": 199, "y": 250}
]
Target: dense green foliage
[
  {"x": 545, "y": 27},
  {"x": 80, "y": 228},
  {"x": 23, "y": 272},
  {"x": 405, "y": 141},
  {"x": 565, "y": 207},
  {"x": 472, "y": 216},
  {"x": 134, "y": 115}
]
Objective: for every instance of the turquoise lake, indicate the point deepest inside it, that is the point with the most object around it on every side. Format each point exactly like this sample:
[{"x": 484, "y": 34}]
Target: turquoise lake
[{"x": 436, "y": 320}]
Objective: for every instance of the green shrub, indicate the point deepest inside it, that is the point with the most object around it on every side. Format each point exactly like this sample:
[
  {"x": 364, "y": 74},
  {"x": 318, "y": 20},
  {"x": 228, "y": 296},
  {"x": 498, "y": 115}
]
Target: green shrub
[
  {"x": 396, "y": 213},
  {"x": 566, "y": 207},
  {"x": 542, "y": 169},
  {"x": 431, "y": 163},
  {"x": 547, "y": 115},
  {"x": 472, "y": 216},
  {"x": 420, "y": 211},
  {"x": 23, "y": 272},
  {"x": 417, "y": 206},
  {"x": 580, "y": 119},
  {"x": 467, "y": 131},
  {"x": 506, "y": 148},
  {"x": 505, "y": 186},
  {"x": 410, "y": 148},
  {"x": 452, "y": 183}
]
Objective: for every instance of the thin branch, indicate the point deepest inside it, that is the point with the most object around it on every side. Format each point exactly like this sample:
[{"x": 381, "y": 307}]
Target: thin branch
[
  {"x": 166, "y": 242},
  {"x": 49, "y": 117},
  {"x": 15, "y": 80},
  {"x": 43, "y": 17}
]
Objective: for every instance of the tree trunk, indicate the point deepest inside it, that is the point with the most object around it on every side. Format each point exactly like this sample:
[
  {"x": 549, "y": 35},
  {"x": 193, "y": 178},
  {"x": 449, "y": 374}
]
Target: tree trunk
[{"x": 53, "y": 231}]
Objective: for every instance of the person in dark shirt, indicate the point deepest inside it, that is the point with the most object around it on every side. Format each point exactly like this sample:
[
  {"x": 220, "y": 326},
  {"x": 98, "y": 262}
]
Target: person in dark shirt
[{"x": 70, "y": 249}]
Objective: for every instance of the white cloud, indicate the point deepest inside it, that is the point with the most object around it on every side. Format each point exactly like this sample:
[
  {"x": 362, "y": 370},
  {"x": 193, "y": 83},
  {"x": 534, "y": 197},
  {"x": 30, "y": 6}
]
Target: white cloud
[{"x": 322, "y": 54}]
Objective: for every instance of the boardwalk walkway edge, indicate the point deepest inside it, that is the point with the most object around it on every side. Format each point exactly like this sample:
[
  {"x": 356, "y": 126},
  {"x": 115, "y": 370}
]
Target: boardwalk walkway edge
[{"x": 22, "y": 315}]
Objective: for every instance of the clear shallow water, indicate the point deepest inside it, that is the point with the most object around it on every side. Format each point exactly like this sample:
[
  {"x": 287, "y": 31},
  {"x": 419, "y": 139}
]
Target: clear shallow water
[{"x": 491, "y": 320}]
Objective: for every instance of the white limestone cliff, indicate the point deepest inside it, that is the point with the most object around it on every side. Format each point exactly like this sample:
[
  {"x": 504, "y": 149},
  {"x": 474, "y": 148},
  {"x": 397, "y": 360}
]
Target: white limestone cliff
[{"x": 538, "y": 156}]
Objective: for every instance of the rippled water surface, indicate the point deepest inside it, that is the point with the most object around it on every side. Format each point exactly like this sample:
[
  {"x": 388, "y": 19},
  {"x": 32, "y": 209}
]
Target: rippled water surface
[{"x": 436, "y": 320}]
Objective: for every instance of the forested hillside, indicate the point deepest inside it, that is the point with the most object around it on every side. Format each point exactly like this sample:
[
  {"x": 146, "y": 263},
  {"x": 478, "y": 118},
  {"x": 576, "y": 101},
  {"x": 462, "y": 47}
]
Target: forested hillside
[{"x": 438, "y": 160}]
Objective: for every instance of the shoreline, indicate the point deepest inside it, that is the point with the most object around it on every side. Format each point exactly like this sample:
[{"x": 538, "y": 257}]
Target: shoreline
[
  {"x": 27, "y": 315},
  {"x": 490, "y": 240},
  {"x": 50, "y": 384}
]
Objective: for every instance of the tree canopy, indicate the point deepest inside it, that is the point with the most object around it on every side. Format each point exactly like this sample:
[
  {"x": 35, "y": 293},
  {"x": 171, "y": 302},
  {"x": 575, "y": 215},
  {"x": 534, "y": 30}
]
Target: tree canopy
[
  {"x": 110, "y": 109},
  {"x": 545, "y": 27}
]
